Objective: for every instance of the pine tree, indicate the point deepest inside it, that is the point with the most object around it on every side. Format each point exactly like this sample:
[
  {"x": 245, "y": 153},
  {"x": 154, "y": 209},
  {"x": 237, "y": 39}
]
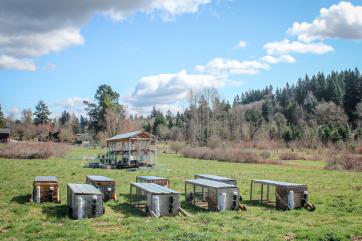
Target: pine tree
[
  {"x": 2, "y": 118},
  {"x": 41, "y": 114}
]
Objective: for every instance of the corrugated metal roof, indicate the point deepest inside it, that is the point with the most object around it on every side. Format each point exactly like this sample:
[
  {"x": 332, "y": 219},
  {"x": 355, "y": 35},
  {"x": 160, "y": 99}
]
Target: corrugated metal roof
[
  {"x": 4, "y": 130},
  {"x": 214, "y": 177},
  {"x": 153, "y": 188},
  {"x": 99, "y": 178},
  {"x": 83, "y": 188},
  {"x": 151, "y": 178},
  {"x": 125, "y": 135},
  {"x": 277, "y": 183},
  {"x": 45, "y": 179},
  {"x": 209, "y": 183}
]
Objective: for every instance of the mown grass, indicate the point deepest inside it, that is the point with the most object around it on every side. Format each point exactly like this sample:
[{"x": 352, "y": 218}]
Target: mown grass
[{"x": 337, "y": 195}]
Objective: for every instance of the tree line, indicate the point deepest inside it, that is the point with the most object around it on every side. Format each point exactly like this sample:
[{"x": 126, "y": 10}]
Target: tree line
[{"x": 316, "y": 109}]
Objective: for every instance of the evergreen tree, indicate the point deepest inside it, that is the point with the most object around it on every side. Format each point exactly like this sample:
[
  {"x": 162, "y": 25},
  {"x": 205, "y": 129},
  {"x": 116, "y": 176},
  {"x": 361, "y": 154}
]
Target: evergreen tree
[
  {"x": 266, "y": 110},
  {"x": 41, "y": 114},
  {"x": 105, "y": 99},
  {"x": 64, "y": 118},
  {"x": 2, "y": 118},
  {"x": 83, "y": 123}
]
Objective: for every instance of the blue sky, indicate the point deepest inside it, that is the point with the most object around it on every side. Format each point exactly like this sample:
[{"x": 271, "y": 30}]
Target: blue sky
[{"x": 149, "y": 54}]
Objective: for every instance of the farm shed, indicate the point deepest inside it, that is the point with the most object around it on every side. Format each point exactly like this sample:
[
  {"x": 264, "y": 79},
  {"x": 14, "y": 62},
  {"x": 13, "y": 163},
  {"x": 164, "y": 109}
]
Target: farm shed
[
  {"x": 132, "y": 149},
  {"x": 45, "y": 189},
  {"x": 84, "y": 201},
  {"x": 162, "y": 181},
  {"x": 216, "y": 178},
  {"x": 106, "y": 185},
  {"x": 4, "y": 135},
  {"x": 154, "y": 199},
  {"x": 287, "y": 195},
  {"x": 220, "y": 196}
]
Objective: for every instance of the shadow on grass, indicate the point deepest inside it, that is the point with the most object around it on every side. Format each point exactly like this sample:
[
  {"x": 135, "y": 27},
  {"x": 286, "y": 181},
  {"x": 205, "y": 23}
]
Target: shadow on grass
[
  {"x": 57, "y": 211},
  {"x": 255, "y": 203},
  {"x": 191, "y": 208},
  {"x": 21, "y": 199},
  {"x": 128, "y": 210}
]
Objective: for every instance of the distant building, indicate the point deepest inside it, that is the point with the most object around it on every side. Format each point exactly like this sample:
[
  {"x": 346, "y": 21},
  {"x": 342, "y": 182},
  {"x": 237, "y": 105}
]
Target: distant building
[{"x": 4, "y": 135}]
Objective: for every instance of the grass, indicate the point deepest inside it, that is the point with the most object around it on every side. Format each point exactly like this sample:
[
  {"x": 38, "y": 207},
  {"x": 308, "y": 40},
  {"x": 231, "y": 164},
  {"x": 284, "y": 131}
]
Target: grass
[{"x": 336, "y": 194}]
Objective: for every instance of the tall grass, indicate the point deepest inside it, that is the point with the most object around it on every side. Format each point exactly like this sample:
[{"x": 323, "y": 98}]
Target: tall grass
[{"x": 33, "y": 150}]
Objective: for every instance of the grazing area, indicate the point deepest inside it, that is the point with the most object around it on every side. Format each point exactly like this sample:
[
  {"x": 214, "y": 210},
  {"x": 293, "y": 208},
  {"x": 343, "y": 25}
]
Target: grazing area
[{"x": 336, "y": 194}]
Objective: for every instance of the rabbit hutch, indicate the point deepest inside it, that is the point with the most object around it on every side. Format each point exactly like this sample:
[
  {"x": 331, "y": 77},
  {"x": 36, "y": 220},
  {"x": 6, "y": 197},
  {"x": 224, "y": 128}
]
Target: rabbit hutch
[
  {"x": 156, "y": 200},
  {"x": 216, "y": 178},
  {"x": 106, "y": 185},
  {"x": 45, "y": 189},
  {"x": 84, "y": 201},
  {"x": 162, "y": 181},
  {"x": 132, "y": 149},
  {"x": 287, "y": 196},
  {"x": 220, "y": 196}
]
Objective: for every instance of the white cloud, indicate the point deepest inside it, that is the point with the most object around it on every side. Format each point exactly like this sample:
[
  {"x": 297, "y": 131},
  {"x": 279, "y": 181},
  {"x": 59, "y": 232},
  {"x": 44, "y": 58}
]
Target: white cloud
[
  {"x": 29, "y": 29},
  {"x": 286, "y": 46},
  {"x": 50, "y": 66},
  {"x": 168, "y": 89},
  {"x": 241, "y": 44},
  {"x": 343, "y": 20},
  {"x": 234, "y": 83},
  {"x": 9, "y": 62},
  {"x": 220, "y": 66},
  {"x": 280, "y": 59},
  {"x": 72, "y": 102}
]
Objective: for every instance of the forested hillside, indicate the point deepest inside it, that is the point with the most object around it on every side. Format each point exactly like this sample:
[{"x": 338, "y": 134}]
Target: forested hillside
[{"x": 319, "y": 108}]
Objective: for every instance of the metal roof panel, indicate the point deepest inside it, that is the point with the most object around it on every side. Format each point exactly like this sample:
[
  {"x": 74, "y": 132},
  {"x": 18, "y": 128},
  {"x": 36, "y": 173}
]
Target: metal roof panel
[
  {"x": 209, "y": 183},
  {"x": 83, "y": 188},
  {"x": 214, "y": 177},
  {"x": 124, "y": 135},
  {"x": 153, "y": 188},
  {"x": 45, "y": 179},
  {"x": 99, "y": 178},
  {"x": 277, "y": 183},
  {"x": 151, "y": 178}
]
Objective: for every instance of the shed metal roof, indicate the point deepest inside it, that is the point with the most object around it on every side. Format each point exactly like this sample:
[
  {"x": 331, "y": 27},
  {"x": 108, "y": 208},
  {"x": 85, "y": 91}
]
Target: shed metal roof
[
  {"x": 45, "y": 179},
  {"x": 4, "y": 130},
  {"x": 277, "y": 183},
  {"x": 214, "y": 177},
  {"x": 151, "y": 178},
  {"x": 125, "y": 135},
  {"x": 83, "y": 188},
  {"x": 153, "y": 188},
  {"x": 209, "y": 183},
  {"x": 99, "y": 178}
]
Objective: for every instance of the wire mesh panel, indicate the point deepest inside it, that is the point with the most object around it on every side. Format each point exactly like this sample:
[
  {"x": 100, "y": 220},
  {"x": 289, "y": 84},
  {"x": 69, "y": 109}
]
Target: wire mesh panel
[{"x": 263, "y": 193}]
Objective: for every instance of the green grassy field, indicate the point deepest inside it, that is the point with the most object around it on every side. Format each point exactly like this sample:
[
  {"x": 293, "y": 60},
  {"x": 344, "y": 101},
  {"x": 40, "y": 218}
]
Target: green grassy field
[{"x": 337, "y": 196}]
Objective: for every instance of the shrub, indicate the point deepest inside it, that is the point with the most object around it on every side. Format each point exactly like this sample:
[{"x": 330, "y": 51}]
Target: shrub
[
  {"x": 231, "y": 155},
  {"x": 33, "y": 150},
  {"x": 176, "y": 146},
  {"x": 214, "y": 142},
  {"x": 290, "y": 156},
  {"x": 344, "y": 161}
]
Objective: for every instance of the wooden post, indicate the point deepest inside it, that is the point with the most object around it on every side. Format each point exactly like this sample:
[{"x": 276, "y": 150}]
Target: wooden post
[
  {"x": 251, "y": 190},
  {"x": 262, "y": 191},
  {"x": 185, "y": 192},
  {"x": 130, "y": 195},
  {"x": 129, "y": 152},
  {"x": 193, "y": 196},
  {"x": 267, "y": 193}
]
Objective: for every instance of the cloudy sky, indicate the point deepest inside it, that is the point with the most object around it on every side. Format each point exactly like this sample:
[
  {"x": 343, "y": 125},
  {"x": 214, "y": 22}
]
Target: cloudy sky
[{"x": 153, "y": 52}]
